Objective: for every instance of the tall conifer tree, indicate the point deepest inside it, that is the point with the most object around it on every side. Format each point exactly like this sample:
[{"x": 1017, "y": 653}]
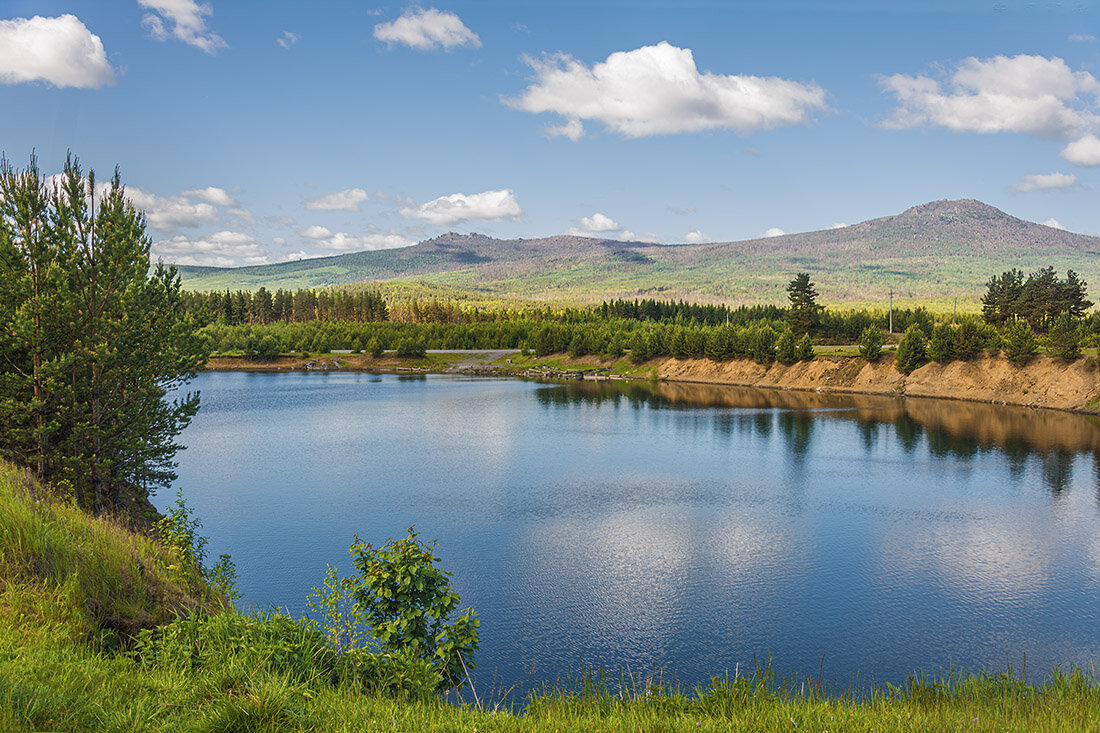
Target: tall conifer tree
[{"x": 99, "y": 339}]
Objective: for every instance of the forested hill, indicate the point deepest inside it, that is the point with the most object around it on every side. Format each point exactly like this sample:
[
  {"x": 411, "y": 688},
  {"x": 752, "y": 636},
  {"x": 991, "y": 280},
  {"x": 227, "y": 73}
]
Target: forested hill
[{"x": 941, "y": 249}]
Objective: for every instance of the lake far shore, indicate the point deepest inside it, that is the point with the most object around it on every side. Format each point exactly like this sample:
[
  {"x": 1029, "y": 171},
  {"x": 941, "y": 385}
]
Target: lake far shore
[{"x": 1044, "y": 382}]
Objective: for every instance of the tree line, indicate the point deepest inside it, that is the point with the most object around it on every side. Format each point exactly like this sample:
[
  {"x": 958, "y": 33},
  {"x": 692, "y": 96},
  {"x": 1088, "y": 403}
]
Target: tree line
[{"x": 1040, "y": 299}]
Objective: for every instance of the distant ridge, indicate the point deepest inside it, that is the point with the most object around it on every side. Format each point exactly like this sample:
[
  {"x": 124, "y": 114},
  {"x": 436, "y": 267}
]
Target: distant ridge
[{"x": 940, "y": 249}]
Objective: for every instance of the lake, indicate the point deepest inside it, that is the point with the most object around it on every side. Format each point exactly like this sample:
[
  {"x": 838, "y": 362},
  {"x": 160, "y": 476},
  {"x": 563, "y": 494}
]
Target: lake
[{"x": 680, "y": 527}]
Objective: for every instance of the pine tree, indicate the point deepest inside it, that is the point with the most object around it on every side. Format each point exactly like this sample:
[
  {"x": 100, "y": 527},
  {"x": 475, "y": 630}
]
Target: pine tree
[
  {"x": 804, "y": 313},
  {"x": 100, "y": 340},
  {"x": 912, "y": 351}
]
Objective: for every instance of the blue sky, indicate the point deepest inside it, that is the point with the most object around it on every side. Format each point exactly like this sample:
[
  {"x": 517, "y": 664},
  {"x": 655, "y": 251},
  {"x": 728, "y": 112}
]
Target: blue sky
[{"x": 256, "y": 132}]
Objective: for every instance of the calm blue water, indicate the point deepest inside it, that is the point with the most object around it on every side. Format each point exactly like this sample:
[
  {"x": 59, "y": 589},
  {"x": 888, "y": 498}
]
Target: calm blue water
[{"x": 687, "y": 528}]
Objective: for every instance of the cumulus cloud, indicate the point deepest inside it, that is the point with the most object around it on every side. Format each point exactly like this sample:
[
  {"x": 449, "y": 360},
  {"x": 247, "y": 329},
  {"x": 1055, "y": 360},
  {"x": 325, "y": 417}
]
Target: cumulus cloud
[
  {"x": 427, "y": 29},
  {"x": 342, "y": 241},
  {"x": 459, "y": 207},
  {"x": 347, "y": 200},
  {"x": 221, "y": 249},
  {"x": 183, "y": 20},
  {"x": 316, "y": 232},
  {"x": 694, "y": 236},
  {"x": 1053, "y": 224},
  {"x": 169, "y": 213},
  {"x": 599, "y": 223},
  {"x": 59, "y": 51},
  {"x": 628, "y": 236},
  {"x": 838, "y": 225},
  {"x": 774, "y": 232},
  {"x": 212, "y": 195},
  {"x": 323, "y": 238},
  {"x": 1029, "y": 94},
  {"x": 1045, "y": 182},
  {"x": 287, "y": 40},
  {"x": 657, "y": 90},
  {"x": 1085, "y": 152}
]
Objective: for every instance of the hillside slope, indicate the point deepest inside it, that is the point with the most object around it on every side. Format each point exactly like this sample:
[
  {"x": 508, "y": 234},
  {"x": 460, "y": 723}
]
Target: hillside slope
[{"x": 943, "y": 249}]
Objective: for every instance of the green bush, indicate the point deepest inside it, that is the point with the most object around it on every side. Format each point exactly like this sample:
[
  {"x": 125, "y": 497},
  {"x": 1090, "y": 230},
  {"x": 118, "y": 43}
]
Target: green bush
[
  {"x": 1019, "y": 342},
  {"x": 761, "y": 343},
  {"x": 410, "y": 348},
  {"x": 805, "y": 348},
  {"x": 966, "y": 341},
  {"x": 406, "y": 602},
  {"x": 941, "y": 344},
  {"x": 912, "y": 352},
  {"x": 785, "y": 350},
  {"x": 870, "y": 343},
  {"x": 1064, "y": 339}
]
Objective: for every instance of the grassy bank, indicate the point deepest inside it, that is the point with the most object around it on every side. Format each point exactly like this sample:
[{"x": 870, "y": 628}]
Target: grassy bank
[{"x": 75, "y": 590}]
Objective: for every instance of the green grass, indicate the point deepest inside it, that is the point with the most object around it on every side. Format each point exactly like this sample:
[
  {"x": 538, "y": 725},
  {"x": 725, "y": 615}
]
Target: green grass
[{"x": 73, "y": 589}]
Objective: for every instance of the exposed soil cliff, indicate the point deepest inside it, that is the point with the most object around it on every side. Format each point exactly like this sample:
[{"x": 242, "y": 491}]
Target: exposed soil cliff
[{"x": 1044, "y": 382}]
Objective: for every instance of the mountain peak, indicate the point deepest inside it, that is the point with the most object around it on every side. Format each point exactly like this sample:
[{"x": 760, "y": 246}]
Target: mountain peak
[{"x": 951, "y": 208}]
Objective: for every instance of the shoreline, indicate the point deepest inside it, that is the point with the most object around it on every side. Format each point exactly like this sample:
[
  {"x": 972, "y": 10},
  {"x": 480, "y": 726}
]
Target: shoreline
[{"x": 1045, "y": 382}]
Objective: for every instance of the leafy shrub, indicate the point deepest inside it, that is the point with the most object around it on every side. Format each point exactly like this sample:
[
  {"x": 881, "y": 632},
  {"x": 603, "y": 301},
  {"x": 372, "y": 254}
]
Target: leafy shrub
[
  {"x": 406, "y": 602},
  {"x": 1019, "y": 342},
  {"x": 178, "y": 531},
  {"x": 870, "y": 343},
  {"x": 374, "y": 346},
  {"x": 912, "y": 352}
]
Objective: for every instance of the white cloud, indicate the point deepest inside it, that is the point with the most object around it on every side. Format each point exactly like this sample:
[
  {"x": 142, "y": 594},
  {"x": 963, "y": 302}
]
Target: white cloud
[
  {"x": 460, "y": 207},
  {"x": 694, "y": 236},
  {"x": 838, "y": 225},
  {"x": 628, "y": 236},
  {"x": 187, "y": 21},
  {"x": 221, "y": 249},
  {"x": 599, "y": 223},
  {"x": 347, "y": 200},
  {"x": 344, "y": 242},
  {"x": 59, "y": 51},
  {"x": 316, "y": 232},
  {"x": 774, "y": 232},
  {"x": 1028, "y": 94},
  {"x": 1044, "y": 182},
  {"x": 169, "y": 213},
  {"x": 243, "y": 214},
  {"x": 278, "y": 240},
  {"x": 1081, "y": 38},
  {"x": 1085, "y": 151},
  {"x": 302, "y": 255},
  {"x": 657, "y": 90},
  {"x": 287, "y": 40},
  {"x": 427, "y": 29},
  {"x": 212, "y": 195},
  {"x": 1053, "y": 224}
]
